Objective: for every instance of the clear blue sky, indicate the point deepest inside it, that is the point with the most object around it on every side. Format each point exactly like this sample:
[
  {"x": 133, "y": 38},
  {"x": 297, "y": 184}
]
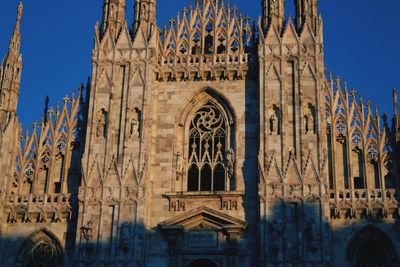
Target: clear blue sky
[{"x": 362, "y": 40}]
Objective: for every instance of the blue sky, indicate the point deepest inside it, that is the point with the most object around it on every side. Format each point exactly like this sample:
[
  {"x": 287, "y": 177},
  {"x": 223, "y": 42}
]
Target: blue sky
[{"x": 361, "y": 45}]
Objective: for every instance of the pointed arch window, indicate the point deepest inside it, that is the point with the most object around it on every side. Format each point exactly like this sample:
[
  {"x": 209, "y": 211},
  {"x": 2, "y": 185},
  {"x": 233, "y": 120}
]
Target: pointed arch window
[{"x": 210, "y": 161}]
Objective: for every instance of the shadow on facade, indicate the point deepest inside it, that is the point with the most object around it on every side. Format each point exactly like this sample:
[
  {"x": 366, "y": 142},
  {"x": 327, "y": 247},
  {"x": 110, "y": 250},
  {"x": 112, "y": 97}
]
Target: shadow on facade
[{"x": 298, "y": 234}]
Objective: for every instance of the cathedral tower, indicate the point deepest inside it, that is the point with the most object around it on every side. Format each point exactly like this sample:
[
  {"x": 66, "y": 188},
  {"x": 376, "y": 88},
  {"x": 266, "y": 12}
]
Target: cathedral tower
[
  {"x": 292, "y": 138},
  {"x": 118, "y": 136}
]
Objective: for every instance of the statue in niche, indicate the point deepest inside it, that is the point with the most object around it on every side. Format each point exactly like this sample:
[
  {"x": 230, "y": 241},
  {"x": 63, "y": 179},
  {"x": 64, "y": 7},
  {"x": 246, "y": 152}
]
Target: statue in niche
[
  {"x": 125, "y": 236},
  {"x": 87, "y": 235},
  {"x": 134, "y": 122},
  {"x": 312, "y": 236},
  {"x": 111, "y": 11},
  {"x": 101, "y": 123},
  {"x": 276, "y": 229},
  {"x": 306, "y": 5},
  {"x": 274, "y": 121},
  {"x": 309, "y": 119},
  {"x": 2, "y": 99},
  {"x": 179, "y": 166},
  {"x": 143, "y": 11},
  {"x": 274, "y": 5},
  {"x": 87, "y": 231},
  {"x": 230, "y": 162}
]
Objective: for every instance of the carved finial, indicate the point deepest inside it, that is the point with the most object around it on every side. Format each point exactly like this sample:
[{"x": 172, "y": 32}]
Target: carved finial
[
  {"x": 338, "y": 82},
  {"x": 369, "y": 105},
  {"x": 35, "y": 125},
  {"x": 51, "y": 112},
  {"x": 20, "y": 10},
  {"x": 234, "y": 10},
  {"x": 58, "y": 108},
  {"x": 66, "y": 99},
  {"x": 353, "y": 93},
  {"x": 385, "y": 118}
]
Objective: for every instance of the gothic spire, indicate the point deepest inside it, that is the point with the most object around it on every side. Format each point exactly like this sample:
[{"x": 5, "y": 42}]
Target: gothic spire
[
  {"x": 113, "y": 16},
  {"x": 145, "y": 16},
  {"x": 10, "y": 70},
  {"x": 15, "y": 42},
  {"x": 273, "y": 13}
]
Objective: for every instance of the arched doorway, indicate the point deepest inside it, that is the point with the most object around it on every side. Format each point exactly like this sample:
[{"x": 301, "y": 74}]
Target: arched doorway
[
  {"x": 41, "y": 249},
  {"x": 371, "y": 247},
  {"x": 203, "y": 263}
]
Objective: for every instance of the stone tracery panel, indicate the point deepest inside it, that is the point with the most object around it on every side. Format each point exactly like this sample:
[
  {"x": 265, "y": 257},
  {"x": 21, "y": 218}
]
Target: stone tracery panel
[{"x": 210, "y": 162}]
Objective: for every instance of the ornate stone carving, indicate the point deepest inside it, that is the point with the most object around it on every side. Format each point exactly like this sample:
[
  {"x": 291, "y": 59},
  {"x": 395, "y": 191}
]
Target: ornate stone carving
[
  {"x": 180, "y": 164},
  {"x": 230, "y": 163},
  {"x": 313, "y": 236},
  {"x": 276, "y": 232},
  {"x": 126, "y": 233},
  {"x": 309, "y": 119},
  {"x": 101, "y": 118},
  {"x": 133, "y": 123}
]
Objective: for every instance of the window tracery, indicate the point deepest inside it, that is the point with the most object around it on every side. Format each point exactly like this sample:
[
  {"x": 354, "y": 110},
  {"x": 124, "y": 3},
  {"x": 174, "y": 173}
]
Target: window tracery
[{"x": 210, "y": 160}]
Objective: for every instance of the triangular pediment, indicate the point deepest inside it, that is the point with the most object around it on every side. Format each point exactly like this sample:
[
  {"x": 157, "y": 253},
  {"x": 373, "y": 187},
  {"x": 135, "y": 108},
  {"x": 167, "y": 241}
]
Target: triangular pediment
[
  {"x": 290, "y": 35},
  {"x": 124, "y": 39},
  {"x": 273, "y": 36},
  {"x": 204, "y": 217}
]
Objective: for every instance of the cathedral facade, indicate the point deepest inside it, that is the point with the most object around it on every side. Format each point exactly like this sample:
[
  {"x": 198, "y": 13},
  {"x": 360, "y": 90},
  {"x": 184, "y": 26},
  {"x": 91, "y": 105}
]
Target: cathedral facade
[{"x": 216, "y": 141}]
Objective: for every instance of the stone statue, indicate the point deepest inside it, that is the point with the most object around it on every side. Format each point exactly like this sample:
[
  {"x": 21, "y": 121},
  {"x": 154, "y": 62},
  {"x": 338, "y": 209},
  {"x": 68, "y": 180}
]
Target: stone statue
[
  {"x": 312, "y": 231},
  {"x": 179, "y": 166},
  {"x": 125, "y": 236},
  {"x": 87, "y": 231},
  {"x": 312, "y": 236},
  {"x": 274, "y": 5},
  {"x": 134, "y": 123},
  {"x": 273, "y": 124},
  {"x": 306, "y": 5},
  {"x": 230, "y": 162},
  {"x": 101, "y": 123},
  {"x": 143, "y": 11},
  {"x": 309, "y": 119},
  {"x": 2, "y": 98},
  {"x": 395, "y": 97},
  {"x": 276, "y": 229},
  {"x": 274, "y": 121}
]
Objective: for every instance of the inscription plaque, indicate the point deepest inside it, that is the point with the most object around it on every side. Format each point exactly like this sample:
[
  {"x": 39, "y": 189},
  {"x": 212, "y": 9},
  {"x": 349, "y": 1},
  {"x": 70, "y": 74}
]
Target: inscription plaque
[{"x": 201, "y": 239}]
